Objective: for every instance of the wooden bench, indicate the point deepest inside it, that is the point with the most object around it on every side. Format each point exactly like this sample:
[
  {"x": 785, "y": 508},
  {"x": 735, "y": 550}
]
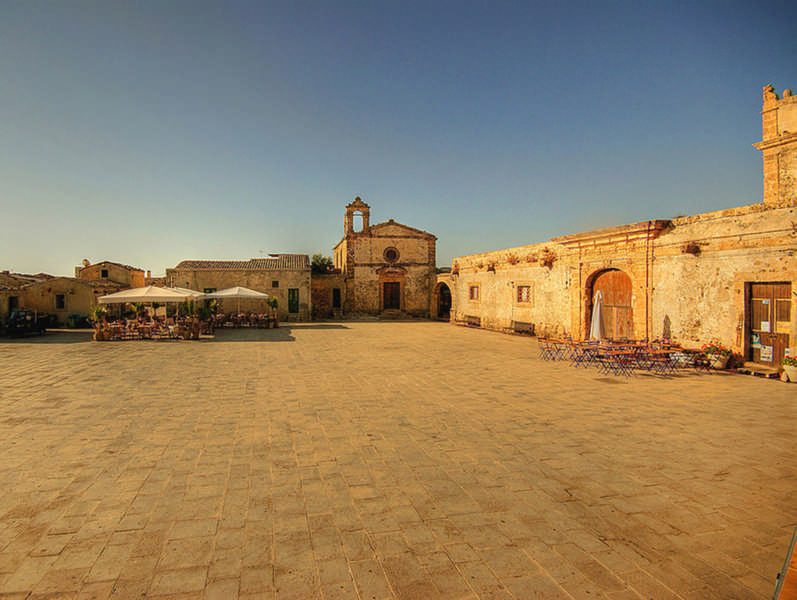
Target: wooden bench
[{"x": 523, "y": 328}]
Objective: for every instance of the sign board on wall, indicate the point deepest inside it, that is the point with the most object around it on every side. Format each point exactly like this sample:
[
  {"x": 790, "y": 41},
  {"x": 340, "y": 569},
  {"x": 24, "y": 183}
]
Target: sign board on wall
[{"x": 766, "y": 353}]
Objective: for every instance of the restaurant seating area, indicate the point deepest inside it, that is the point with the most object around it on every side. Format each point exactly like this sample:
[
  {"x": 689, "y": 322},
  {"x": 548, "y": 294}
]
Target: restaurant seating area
[
  {"x": 624, "y": 357},
  {"x": 185, "y": 328}
]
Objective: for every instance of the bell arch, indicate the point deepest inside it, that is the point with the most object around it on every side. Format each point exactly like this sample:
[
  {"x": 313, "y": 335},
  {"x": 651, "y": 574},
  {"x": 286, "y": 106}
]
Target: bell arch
[{"x": 358, "y": 216}]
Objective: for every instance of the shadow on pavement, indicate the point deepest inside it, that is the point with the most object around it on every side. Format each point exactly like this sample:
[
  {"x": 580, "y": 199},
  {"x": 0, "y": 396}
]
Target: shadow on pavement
[
  {"x": 56, "y": 336},
  {"x": 76, "y": 336}
]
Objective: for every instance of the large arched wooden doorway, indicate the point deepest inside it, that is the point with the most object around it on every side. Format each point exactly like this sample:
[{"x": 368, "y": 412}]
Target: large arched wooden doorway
[
  {"x": 442, "y": 302},
  {"x": 618, "y": 316}
]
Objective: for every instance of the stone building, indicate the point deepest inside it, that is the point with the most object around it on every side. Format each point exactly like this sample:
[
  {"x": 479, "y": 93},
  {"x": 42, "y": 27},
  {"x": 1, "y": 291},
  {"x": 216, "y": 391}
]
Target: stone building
[
  {"x": 282, "y": 276},
  {"x": 11, "y": 289},
  {"x": 728, "y": 275},
  {"x": 59, "y": 297},
  {"x": 387, "y": 268},
  {"x": 107, "y": 271}
]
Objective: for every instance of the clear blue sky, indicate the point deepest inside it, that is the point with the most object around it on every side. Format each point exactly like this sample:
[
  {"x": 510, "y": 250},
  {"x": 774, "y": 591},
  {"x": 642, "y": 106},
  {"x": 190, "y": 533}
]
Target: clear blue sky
[{"x": 156, "y": 131}]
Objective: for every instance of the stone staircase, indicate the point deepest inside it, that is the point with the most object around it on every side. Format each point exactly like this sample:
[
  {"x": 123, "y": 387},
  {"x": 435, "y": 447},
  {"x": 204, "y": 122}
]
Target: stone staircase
[{"x": 392, "y": 315}]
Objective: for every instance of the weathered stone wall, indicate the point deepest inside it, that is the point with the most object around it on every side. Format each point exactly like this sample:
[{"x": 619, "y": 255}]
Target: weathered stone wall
[
  {"x": 117, "y": 273},
  {"x": 688, "y": 276},
  {"x": 78, "y": 296},
  {"x": 700, "y": 294},
  {"x": 497, "y": 276},
  {"x": 778, "y": 146},
  {"x": 322, "y": 286},
  {"x": 261, "y": 281}
]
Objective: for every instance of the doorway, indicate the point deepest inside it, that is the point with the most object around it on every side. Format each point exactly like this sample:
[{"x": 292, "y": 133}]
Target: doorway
[
  {"x": 443, "y": 302},
  {"x": 293, "y": 300},
  {"x": 768, "y": 318},
  {"x": 618, "y": 315},
  {"x": 391, "y": 295}
]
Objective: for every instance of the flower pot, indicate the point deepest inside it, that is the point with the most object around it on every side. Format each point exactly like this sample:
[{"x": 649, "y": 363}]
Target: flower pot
[
  {"x": 718, "y": 361},
  {"x": 791, "y": 372}
]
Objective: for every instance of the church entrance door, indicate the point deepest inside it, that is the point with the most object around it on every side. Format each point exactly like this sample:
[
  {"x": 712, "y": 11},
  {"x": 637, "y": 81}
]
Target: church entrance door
[{"x": 391, "y": 295}]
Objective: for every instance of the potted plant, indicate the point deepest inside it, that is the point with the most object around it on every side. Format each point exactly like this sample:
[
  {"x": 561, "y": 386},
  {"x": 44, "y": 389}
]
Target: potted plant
[
  {"x": 273, "y": 303},
  {"x": 97, "y": 314},
  {"x": 718, "y": 355},
  {"x": 790, "y": 368}
]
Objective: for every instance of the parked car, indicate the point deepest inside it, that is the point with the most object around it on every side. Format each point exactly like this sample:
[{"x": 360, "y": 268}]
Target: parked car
[{"x": 22, "y": 321}]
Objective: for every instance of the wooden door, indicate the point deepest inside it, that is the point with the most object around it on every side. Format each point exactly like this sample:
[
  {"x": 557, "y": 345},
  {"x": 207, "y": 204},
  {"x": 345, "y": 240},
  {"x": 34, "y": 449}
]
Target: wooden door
[
  {"x": 769, "y": 320},
  {"x": 444, "y": 302},
  {"x": 293, "y": 300},
  {"x": 392, "y": 295},
  {"x": 618, "y": 316}
]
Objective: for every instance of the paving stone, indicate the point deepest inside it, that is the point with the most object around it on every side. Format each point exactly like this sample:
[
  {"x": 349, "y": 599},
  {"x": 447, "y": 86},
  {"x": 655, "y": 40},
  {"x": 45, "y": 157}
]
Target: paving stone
[{"x": 382, "y": 460}]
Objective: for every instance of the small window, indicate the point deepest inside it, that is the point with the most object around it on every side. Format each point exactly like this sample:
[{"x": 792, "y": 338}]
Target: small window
[
  {"x": 275, "y": 284},
  {"x": 60, "y": 301},
  {"x": 13, "y": 303},
  {"x": 473, "y": 293},
  {"x": 104, "y": 273},
  {"x": 524, "y": 293}
]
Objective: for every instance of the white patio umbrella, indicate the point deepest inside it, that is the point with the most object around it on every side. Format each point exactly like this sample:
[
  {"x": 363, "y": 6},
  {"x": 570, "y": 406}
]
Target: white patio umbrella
[
  {"x": 596, "y": 324},
  {"x": 149, "y": 293},
  {"x": 192, "y": 294},
  {"x": 237, "y": 292}
]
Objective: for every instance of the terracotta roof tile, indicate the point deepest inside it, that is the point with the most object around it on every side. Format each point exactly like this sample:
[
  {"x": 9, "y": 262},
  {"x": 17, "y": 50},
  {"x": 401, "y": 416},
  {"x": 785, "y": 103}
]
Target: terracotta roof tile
[
  {"x": 110, "y": 262},
  {"x": 276, "y": 262},
  {"x": 12, "y": 281}
]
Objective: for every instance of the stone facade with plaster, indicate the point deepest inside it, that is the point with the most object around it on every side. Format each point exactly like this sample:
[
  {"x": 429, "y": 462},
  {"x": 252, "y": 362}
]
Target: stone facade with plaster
[
  {"x": 282, "y": 276},
  {"x": 58, "y": 297},
  {"x": 692, "y": 279},
  {"x": 330, "y": 295},
  {"x": 108, "y": 271},
  {"x": 778, "y": 146},
  {"x": 388, "y": 267}
]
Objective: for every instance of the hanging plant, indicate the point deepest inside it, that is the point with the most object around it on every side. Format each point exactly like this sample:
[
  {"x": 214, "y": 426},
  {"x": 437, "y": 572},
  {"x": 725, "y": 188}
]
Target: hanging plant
[
  {"x": 547, "y": 258},
  {"x": 691, "y": 248}
]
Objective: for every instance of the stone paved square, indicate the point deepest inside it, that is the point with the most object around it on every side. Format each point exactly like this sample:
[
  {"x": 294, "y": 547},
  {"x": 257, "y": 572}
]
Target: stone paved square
[{"x": 377, "y": 460}]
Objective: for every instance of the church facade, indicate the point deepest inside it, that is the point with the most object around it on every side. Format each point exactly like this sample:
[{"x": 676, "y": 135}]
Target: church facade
[{"x": 386, "y": 269}]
